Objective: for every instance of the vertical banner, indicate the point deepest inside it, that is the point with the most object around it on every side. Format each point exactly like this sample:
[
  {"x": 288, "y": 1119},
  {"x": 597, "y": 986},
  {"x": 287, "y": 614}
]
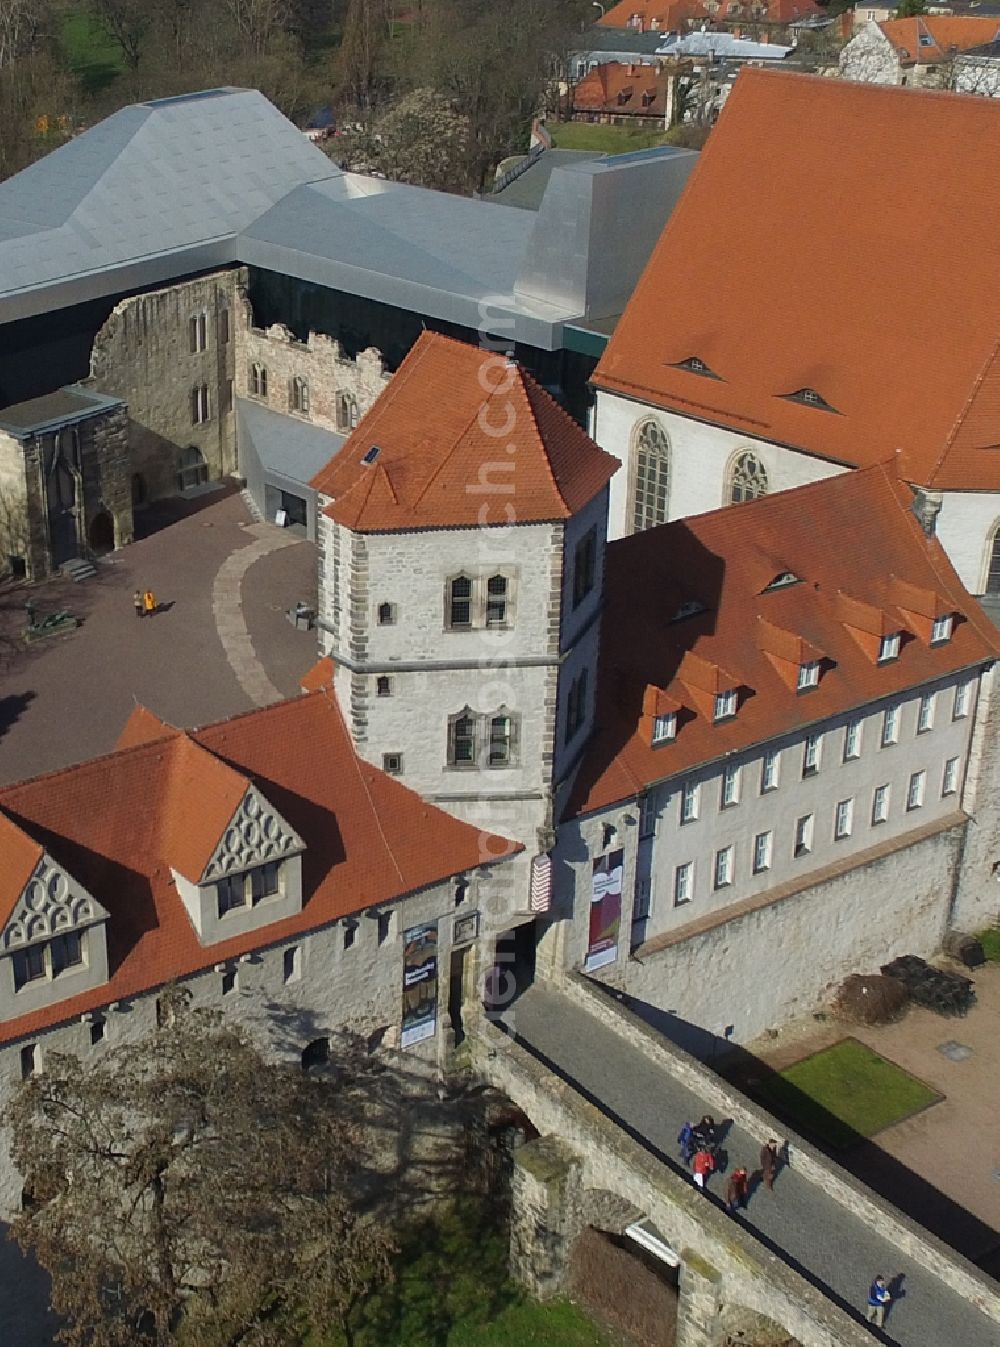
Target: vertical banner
[
  {"x": 420, "y": 983},
  {"x": 605, "y": 910}
]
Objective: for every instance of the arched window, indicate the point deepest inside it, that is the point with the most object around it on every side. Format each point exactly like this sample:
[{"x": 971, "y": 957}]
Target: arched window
[
  {"x": 496, "y": 601},
  {"x": 502, "y": 745},
  {"x": 650, "y": 476},
  {"x": 463, "y": 735},
  {"x": 747, "y": 479},
  {"x": 993, "y": 568},
  {"x": 347, "y": 411},
  {"x": 300, "y": 395},
  {"x": 258, "y": 380},
  {"x": 460, "y": 602},
  {"x": 192, "y": 470}
]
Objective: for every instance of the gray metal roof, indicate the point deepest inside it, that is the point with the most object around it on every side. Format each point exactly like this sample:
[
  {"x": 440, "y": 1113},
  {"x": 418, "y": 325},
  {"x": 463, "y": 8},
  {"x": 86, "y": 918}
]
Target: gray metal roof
[
  {"x": 527, "y": 189},
  {"x": 722, "y": 45},
  {"x": 286, "y": 444},
  {"x": 179, "y": 185},
  {"x": 609, "y": 40},
  {"x": 60, "y": 408}
]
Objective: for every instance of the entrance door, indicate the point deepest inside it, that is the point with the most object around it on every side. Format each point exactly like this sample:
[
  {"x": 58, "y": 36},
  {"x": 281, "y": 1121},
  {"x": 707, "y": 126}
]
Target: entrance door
[
  {"x": 513, "y": 969},
  {"x": 102, "y": 532},
  {"x": 60, "y": 485},
  {"x": 294, "y": 508}
]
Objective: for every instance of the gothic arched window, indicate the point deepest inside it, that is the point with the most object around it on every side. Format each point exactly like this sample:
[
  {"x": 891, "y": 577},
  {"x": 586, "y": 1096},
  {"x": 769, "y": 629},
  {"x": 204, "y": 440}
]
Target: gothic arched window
[
  {"x": 993, "y": 567},
  {"x": 747, "y": 478},
  {"x": 650, "y": 475},
  {"x": 300, "y": 395}
]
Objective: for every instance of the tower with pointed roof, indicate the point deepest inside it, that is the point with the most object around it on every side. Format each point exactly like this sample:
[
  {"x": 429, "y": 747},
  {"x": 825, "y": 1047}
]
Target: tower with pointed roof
[{"x": 461, "y": 536}]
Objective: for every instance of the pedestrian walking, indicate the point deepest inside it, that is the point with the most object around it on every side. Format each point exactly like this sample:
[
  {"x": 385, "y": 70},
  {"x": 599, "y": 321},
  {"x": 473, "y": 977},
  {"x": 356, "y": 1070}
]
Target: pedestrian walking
[
  {"x": 685, "y": 1139},
  {"x": 738, "y": 1188},
  {"x": 703, "y": 1163},
  {"x": 137, "y": 600},
  {"x": 705, "y": 1132},
  {"x": 878, "y": 1302},
  {"x": 769, "y": 1163},
  {"x": 149, "y": 603}
]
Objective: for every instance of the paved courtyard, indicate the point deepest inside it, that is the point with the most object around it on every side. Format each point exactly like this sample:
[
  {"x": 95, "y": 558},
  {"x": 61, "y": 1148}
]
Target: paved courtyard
[{"x": 220, "y": 644}]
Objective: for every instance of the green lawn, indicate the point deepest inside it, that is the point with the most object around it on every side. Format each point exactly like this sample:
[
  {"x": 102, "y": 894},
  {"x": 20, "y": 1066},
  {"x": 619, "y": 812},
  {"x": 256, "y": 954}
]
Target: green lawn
[
  {"x": 605, "y": 139},
  {"x": 93, "y": 57},
  {"x": 556, "y": 1324},
  {"x": 990, "y": 941},
  {"x": 843, "y": 1093}
]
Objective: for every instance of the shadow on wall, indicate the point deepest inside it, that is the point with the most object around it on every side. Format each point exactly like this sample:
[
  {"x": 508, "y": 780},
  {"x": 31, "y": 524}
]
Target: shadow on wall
[{"x": 25, "y": 1317}]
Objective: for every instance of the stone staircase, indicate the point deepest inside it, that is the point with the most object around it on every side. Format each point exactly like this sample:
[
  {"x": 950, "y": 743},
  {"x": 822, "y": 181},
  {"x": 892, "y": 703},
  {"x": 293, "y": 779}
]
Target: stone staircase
[{"x": 78, "y": 569}]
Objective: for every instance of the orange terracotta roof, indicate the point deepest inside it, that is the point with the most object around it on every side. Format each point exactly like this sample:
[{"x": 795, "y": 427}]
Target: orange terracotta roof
[
  {"x": 452, "y": 426},
  {"x": 947, "y": 33},
  {"x": 19, "y": 854},
  {"x": 143, "y": 727},
  {"x": 319, "y": 676},
  {"x": 810, "y": 167},
  {"x": 614, "y": 87},
  {"x": 114, "y": 823},
  {"x": 716, "y": 560},
  {"x": 674, "y": 15}
]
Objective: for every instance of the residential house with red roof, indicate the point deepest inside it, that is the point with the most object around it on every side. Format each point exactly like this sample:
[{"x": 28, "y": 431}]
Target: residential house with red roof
[
  {"x": 920, "y": 50},
  {"x": 622, "y": 94},
  {"x": 807, "y": 351},
  {"x": 678, "y": 15}
]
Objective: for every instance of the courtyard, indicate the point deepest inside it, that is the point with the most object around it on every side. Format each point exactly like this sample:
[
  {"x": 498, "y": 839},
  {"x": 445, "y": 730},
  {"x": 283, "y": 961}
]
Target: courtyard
[{"x": 219, "y": 644}]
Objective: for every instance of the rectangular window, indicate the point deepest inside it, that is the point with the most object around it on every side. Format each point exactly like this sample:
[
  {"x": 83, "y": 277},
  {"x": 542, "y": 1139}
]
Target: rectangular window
[
  {"x": 890, "y": 726},
  {"x": 291, "y": 964},
  {"x": 730, "y": 787},
  {"x": 915, "y": 793},
  {"x": 576, "y": 705},
  {"x": 29, "y": 965},
  {"x": 888, "y": 648},
  {"x": 725, "y": 705},
  {"x": 842, "y": 820},
  {"x": 384, "y": 926},
  {"x": 852, "y": 740},
  {"x": 683, "y": 877},
  {"x": 584, "y": 567},
  {"x": 383, "y": 686},
  {"x": 723, "y": 867},
  {"x": 963, "y": 699},
  {"x": 392, "y": 763},
  {"x": 224, "y": 327},
  {"x": 200, "y": 409},
  {"x": 880, "y": 804},
  {"x": 199, "y": 333},
  {"x": 97, "y": 1028},
  {"x": 769, "y": 771},
  {"x": 808, "y": 675},
  {"x": 942, "y": 629},
  {"x": 502, "y": 738},
  {"x": 232, "y": 893},
  {"x": 665, "y": 728},
  {"x": 761, "y": 853},
  {"x": 647, "y": 815},
  {"x": 925, "y": 716},
  {"x": 689, "y": 803},
  {"x": 463, "y": 733},
  {"x": 350, "y": 933},
  {"x": 811, "y": 755},
  {"x": 264, "y": 881},
  {"x": 66, "y": 951},
  {"x": 949, "y": 782},
  {"x": 228, "y": 981},
  {"x": 496, "y": 601},
  {"x": 804, "y": 835},
  {"x": 643, "y": 902},
  {"x": 460, "y": 603},
  {"x": 29, "y": 1060}
]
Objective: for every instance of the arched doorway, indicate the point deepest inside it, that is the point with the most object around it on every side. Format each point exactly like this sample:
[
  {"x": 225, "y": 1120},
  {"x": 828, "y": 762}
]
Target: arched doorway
[
  {"x": 192, "y": 470},
  {"x": 101, "y": 534},
  {"x": 316, "y": 1053}
]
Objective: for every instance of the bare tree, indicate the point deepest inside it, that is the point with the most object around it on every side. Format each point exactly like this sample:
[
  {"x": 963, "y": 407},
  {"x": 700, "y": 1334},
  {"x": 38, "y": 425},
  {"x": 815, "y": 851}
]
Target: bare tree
[
  {"x": 184, "y": 1191},
  {"x": 127, "y": 22}
]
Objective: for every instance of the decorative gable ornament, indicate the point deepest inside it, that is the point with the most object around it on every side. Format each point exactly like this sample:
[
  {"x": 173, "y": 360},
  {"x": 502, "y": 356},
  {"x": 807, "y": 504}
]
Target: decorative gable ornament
[
  {"x": 52, "y": 902},
  {"x": 256, "y": 834}
]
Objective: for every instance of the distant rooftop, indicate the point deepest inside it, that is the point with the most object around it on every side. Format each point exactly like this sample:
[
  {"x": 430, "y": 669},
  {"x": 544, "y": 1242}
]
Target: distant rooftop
[{"x": 61, "y": 408}]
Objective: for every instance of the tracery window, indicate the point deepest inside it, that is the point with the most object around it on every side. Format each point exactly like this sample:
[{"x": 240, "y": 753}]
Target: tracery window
[
  {"x": 747, "y": 478},
  {"x": 650, "y": 476}
]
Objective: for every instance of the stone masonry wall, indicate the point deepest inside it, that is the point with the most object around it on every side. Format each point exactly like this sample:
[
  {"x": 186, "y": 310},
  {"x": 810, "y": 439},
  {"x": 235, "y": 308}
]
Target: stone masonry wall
[{"x": 976, "y": 899}]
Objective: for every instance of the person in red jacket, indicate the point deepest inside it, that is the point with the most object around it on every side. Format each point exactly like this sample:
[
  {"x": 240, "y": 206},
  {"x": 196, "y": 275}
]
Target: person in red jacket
[{"x": 703, "y": 1164}]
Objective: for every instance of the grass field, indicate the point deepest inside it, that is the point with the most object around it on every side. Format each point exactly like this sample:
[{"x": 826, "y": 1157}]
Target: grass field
[
  {"x": 843, "y": 1093},
  {"x": 604, "y": 139},
  {"x": 555, "y": 1324},
  {"x": 93, "y": 57}
]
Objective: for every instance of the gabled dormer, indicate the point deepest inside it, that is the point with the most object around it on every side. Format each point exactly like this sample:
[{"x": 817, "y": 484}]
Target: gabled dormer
[
  {"x": 798, "y": 662},
  {"x": 53, "y": 943},
  {"x": 880, "y": 633},
  {"x": 925, "y": 612},
  {"x": 716, "y": 693},
  {"x": 661, "y": 716}
]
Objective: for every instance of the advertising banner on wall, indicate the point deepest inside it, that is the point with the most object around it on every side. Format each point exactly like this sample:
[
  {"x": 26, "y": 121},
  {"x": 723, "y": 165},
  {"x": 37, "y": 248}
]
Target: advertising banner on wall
[
  {"x": 605, "y": 910},
  {"x": 420, "y": 984}
]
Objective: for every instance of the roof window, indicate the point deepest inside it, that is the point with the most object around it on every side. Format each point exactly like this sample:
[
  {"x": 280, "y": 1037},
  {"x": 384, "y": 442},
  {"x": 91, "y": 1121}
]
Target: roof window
[
  {"x": 809, "y": 398},
  {"x": 781, "y": 581},
  {"x": 696, "y": 366},
  {"x": 690, "y": 609},
  {"x": 808, "y": 675},
  {"x": 725, "y": 705},
  {"x": 369, "y": 458},
  {"x": 942, "y": 629},
  {"x": 665, "y": 728},
  {"x": 888, "y": 648},
  {"x": 926, "y": 40}
]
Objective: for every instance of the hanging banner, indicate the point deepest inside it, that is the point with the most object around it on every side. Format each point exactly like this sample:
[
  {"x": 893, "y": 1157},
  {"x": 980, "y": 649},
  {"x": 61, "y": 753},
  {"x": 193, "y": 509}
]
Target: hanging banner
[
  {"x": 605, "y": 910},
  {"x": 420, "y": 981}
]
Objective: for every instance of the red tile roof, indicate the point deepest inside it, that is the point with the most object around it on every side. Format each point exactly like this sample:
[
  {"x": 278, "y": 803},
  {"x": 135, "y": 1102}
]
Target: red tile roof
[
  {"x": 947, "y": 33},
  {"x": 756, "y": 636},
  {"x": 118, "y": 824},
  {"x": 621, "y": 89},
  {"x": 676, "y": 15},
  {"x": 900, "y": 338},
  {"x": 453, "y": 422}
]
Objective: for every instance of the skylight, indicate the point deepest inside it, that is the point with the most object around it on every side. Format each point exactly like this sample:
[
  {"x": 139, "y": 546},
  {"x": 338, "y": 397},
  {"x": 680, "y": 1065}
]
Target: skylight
[
  {"x": 809, "y": 398},
  {"x": 781, "y": 581},
  {"x": 369, "y": 458},
  {"x": 694, "y": 365},
  {"x": 690, "y": 609}
]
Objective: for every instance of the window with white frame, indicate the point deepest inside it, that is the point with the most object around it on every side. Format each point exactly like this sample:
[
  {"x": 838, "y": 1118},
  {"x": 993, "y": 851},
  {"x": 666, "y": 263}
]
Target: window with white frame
[
  {"x": 683, "y": 883},
  {"x": 665, "y": 728},
  {"x": 915, "y": 790},
  {"x": 880, "y": 804},
  {"x": 925, "y": 716},
  {"x": 890, "y": 726},
  {"x": 723, "y": 867},
  {"x": 730, "y": 786},
  {"x": 769, "y": 770},
  {"x": 689, "y": 802},
  {"x": 762, "y": 852},
  {"x": 647, "y": 815},
  {"x": 949, "y": 782},
  {"x": 808, "y": 675},
  {"x": 963, "y": 700},
  {"x": 942, "y": 629},
  {"x": 198, "y": 328},
  {"x": 803, "y": 835},
  {"x": 811, "y": 754},
  {"x": 200, "y": 405},
  {"x": 888, "y": 648},
  {"x": 852, "y": 740},
  {"x": 843, "y": 818},
  {"x": 725, "y": 705}
]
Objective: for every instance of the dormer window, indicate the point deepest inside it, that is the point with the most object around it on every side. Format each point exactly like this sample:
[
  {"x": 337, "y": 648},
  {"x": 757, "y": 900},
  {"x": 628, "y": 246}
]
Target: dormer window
[
  {"x": 665, "y": 728},
  {"x": 809, "y": 398},
  {"x": 29, "y": 965},
  {"x": 725, "y": 705},
  {"x": 694, "y": 365},
  {"x": 888, "y": 648},
  {"x": 781, "y": 581},
  {"x": 942, "y": 629},
  {"x": 808, "y": 675}
]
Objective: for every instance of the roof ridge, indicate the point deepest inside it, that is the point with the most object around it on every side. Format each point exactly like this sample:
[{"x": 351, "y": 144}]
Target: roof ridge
[
  {"x": 966, "y": 408},
  {"x": 87, "y": 764}
]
